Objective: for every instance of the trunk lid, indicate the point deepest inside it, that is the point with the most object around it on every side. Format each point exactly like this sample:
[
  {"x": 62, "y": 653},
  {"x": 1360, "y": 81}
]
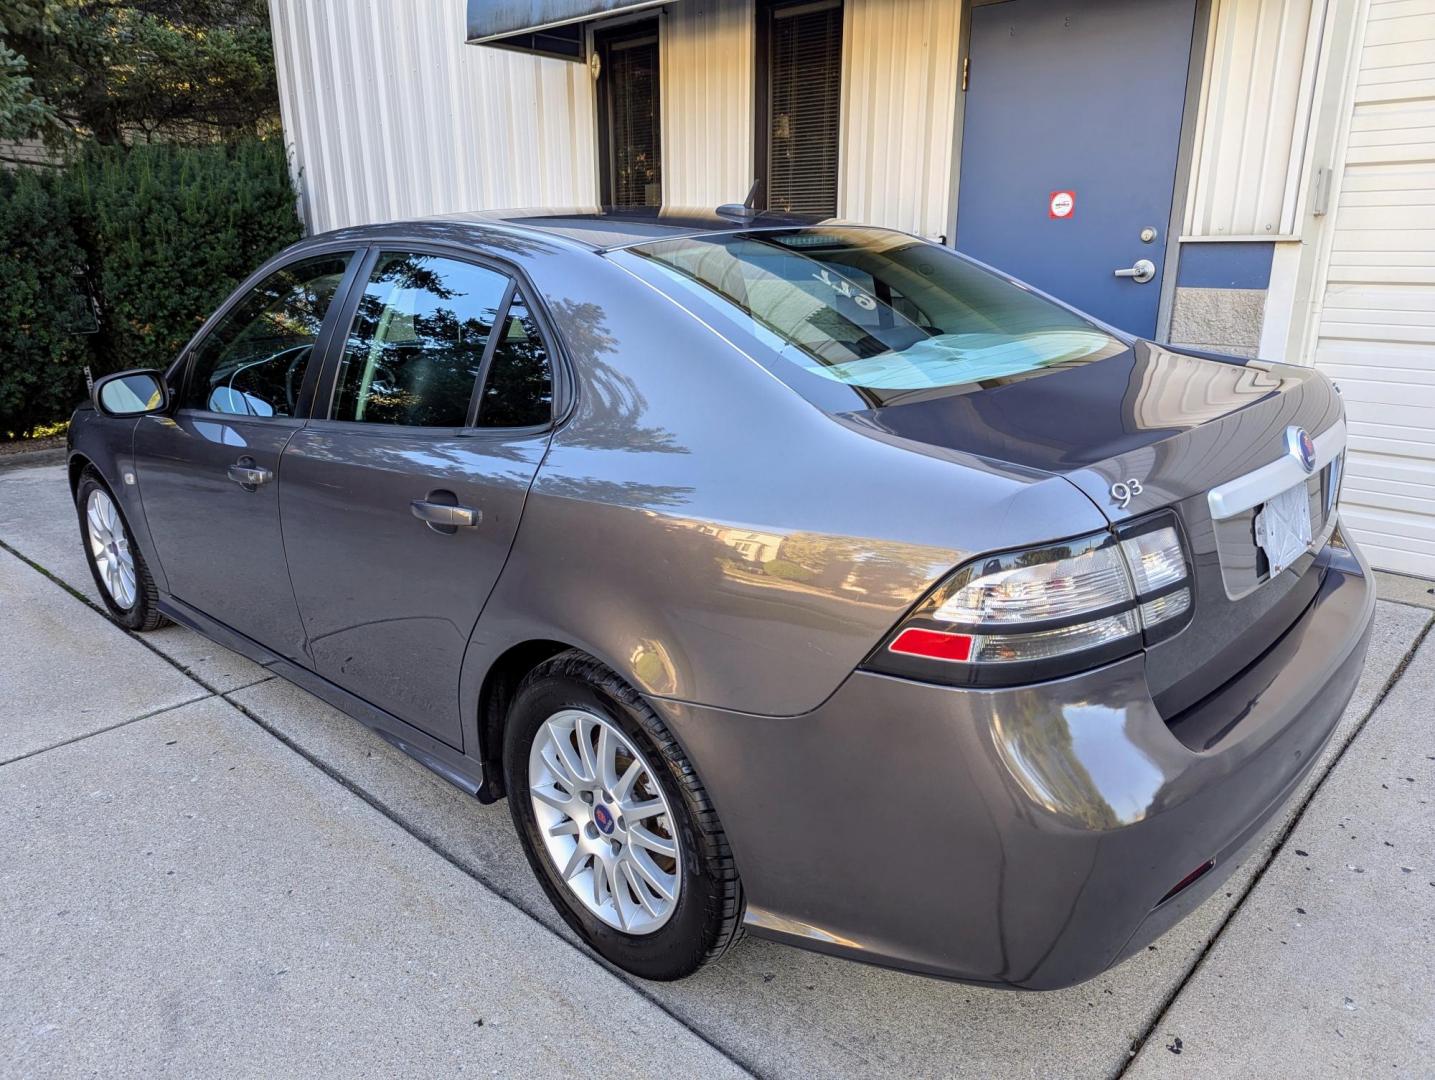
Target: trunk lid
[{"x": 1178, "y": 424}]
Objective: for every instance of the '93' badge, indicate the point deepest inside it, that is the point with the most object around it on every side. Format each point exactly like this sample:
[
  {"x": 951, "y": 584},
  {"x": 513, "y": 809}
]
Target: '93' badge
[{"x": 1123, "y": 491}]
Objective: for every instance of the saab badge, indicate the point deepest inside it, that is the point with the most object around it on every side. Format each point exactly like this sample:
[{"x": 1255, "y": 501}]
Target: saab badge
[{"x": 1301, "y": 446}]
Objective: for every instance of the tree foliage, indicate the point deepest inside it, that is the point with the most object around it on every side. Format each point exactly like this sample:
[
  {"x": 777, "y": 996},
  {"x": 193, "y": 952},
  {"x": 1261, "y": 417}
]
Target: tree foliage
[{"x": 118, "y": 72}]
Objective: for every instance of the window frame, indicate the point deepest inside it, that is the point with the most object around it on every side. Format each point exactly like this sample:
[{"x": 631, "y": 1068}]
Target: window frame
[
  {"x": 764, "y": 12},
  {"x": 321, "y": 414},
  {"x": 181, "y": 370},
  {"x": 604, "y": 40}
]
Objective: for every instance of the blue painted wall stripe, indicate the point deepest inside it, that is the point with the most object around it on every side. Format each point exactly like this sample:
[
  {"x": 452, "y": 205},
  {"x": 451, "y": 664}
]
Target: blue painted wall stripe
[{"x": 1234, "y": 265}]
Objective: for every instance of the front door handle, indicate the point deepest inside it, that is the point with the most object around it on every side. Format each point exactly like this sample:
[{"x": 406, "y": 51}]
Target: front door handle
[
  {"x": 249, "y": 477},
  {"x": 1142, "y": 272},
  {"x": 444, "y": 516}
]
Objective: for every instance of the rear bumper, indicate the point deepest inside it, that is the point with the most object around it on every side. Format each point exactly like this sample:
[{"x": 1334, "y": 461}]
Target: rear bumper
[{"x": 1022, "y": 837}]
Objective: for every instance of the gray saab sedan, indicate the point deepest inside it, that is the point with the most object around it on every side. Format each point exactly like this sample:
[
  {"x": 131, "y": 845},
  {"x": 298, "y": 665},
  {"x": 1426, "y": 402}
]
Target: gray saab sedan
[{"x": 800, "y": 578}]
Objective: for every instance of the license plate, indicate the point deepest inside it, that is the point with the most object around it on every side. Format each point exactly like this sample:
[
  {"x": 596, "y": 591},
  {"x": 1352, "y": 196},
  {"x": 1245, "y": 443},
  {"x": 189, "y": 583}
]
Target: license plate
[{"x": 1283, "y": 528}]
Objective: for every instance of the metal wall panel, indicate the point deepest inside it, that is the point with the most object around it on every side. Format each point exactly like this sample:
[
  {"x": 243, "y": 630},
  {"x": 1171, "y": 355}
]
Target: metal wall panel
[
  {"x": 707, "y": 101},
  {"x": 899, "y": 97},
  {"x": 1261, "y": 63},
  {"x": 1377, "y": 319},
  {"x": 390, "y": 115}
]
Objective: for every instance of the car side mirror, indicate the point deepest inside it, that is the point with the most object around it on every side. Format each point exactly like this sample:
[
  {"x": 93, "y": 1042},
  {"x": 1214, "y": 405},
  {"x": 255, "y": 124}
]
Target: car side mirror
[{"x": 131, "y": 393}]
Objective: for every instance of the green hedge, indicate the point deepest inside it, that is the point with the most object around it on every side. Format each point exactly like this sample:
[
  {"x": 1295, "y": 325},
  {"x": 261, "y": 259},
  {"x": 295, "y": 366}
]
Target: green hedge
[
  {"x": 42, "y": 354},
  {"x": 161, "y": 234}
]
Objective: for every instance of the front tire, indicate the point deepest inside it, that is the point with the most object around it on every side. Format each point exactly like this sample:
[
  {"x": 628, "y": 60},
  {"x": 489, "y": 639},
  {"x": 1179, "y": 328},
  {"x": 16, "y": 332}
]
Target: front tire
[
  {"x": 615, "y": 822},
  {"x": 119, "y": 570}
]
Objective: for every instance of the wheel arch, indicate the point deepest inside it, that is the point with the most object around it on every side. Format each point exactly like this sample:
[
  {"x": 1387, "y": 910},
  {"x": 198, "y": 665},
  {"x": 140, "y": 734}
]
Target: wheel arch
[
  {"x": 500, "y": 683},
  {"x": 78, "y": 463}
]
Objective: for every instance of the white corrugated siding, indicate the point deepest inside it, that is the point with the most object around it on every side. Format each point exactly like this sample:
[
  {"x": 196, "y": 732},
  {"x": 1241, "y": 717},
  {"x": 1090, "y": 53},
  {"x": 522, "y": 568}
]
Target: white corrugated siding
[
  {"x": 1251, "y": 130},
  {"x": 390, "y": 115},
  {"x": 1377, "y": 327},
  {"x": 899, "y": 97},
  {"x": 706, "y": 51}
]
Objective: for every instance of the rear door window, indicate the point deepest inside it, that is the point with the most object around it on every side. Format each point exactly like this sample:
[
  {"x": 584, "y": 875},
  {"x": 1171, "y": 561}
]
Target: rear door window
[
  {"x": 417, "y": 342},
  {"x": 518, "y": 389},
  {"x": 428, "y": 330}
]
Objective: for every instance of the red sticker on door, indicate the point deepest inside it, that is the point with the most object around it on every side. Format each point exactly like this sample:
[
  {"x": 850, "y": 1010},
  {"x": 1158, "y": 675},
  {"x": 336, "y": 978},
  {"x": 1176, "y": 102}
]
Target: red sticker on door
[{"x": 1062, "y": 204}]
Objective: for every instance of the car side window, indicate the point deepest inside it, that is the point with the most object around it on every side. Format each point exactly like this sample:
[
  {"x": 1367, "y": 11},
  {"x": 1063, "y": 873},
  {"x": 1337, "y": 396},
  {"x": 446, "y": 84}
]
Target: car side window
[
  {"x": 417, "y": 341},
  {"x": 252, "y": 363},
  {"x": 518, "y": 391}
]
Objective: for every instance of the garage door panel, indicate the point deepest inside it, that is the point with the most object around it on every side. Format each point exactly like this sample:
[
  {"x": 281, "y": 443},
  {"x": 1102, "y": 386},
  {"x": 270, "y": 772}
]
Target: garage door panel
[
  {"x": 1416, "y": 27},
  {"x": 1384, "y": 10},
  {"x": 1391, "y": 122},
  {"x": 1418, "y": 178},
  {"x": 1377, "y": 218},
  {"x": 1410, "y": 478},
  {"x": 1347, "y": 299},
  {"x": 1400, "y": 327},
  {"x": 1390, "y": 529},
  {"x": 1381, "y": 241},
  {"x": 1395, "y": 440}
]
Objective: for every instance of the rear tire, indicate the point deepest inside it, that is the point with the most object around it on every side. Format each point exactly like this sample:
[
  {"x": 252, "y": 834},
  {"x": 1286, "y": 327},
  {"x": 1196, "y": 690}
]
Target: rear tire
[
  {"x": 572, "y": 692},
  {"x": 121, "y": 576}
]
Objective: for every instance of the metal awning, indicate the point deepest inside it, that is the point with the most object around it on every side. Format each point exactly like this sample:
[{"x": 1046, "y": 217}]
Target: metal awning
[{"x": 547, "y": 27}]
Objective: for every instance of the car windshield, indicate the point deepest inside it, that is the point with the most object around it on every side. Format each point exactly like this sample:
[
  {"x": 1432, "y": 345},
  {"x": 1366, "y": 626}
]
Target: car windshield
[{"x": 889, "y": 316}]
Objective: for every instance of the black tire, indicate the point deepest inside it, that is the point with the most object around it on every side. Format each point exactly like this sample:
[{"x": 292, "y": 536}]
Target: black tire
[
  {"x": 707, "y": 920},
  {"x": 143, "y": 614}
]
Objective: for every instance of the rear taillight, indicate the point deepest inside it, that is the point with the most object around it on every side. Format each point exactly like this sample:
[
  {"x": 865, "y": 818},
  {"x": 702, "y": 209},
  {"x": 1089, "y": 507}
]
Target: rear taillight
[{"x": 1022, "y": 616}]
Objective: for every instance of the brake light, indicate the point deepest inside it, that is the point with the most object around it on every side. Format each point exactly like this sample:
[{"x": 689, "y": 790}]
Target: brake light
[{"x": 1026, "y": 615}]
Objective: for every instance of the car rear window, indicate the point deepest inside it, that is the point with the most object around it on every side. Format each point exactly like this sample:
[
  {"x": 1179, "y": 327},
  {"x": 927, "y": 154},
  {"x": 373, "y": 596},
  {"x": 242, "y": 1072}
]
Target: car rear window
[{"x": 883, "y": 313}]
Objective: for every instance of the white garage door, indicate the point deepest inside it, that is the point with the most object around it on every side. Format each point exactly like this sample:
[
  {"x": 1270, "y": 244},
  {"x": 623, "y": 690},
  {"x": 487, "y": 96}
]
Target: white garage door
[{"x": 1377, "y": 331}]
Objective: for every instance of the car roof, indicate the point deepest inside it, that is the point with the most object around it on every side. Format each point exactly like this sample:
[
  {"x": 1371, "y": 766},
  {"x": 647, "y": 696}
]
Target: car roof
[{"x": 599, "y": 228}]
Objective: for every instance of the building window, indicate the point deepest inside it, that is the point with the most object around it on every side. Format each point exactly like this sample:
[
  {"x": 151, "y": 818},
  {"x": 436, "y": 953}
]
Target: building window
[
  {"x": 799, "y": 91},
  {"x": 629, "y": 138}
]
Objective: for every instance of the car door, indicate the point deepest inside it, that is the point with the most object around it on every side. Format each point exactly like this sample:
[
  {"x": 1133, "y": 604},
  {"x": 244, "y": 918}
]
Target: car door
[
  {"x": 207, "y": 471},
  {"x": 401, "y": 497}
]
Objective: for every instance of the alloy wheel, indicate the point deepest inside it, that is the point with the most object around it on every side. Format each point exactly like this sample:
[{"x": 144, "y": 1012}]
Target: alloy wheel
[
  {"x": 605, "y": 822},
  {"x": 111, "y": 549}
]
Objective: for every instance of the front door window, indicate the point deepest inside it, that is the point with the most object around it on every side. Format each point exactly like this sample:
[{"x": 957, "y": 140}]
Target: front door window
[{"x": 253, "y": 362}]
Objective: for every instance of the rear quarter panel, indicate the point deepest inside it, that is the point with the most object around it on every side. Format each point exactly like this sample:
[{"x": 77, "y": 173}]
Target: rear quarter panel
[{"x": 713, "y": 537}]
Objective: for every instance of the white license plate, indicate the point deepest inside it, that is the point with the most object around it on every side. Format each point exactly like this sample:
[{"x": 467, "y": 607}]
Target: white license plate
[{"x": 1283, "y": 527}]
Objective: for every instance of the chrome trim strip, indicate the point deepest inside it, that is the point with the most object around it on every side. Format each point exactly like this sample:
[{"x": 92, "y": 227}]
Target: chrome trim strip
[{"x": 1252, "y": 489}]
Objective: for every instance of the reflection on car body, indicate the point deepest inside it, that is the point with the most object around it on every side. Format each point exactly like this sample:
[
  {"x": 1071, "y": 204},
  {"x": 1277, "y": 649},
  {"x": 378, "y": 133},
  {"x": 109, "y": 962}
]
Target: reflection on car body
[{"x": 793, "y": 575}]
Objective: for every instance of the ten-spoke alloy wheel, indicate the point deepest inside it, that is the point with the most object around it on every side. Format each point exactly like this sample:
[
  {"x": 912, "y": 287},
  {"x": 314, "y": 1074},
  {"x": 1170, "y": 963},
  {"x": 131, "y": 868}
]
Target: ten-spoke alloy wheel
[
  {"x": 615, "y": 822},
  {"x": 604, "y": 820},
  {"x": 119, "y": 569},
  {"x": 110, "y": 549}
]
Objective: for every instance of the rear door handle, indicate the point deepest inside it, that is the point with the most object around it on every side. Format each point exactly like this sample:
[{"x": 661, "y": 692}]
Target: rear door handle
[
  {"x": 441, "y": 514},
  {"x": 249, "y": 477}
]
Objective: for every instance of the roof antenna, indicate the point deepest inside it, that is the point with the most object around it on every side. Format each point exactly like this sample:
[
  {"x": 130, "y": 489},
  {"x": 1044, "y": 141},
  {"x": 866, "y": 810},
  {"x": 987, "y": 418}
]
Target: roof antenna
[{"x": 747, "y": 209}]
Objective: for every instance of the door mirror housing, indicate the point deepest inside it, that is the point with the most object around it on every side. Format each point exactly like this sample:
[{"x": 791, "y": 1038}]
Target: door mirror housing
[{"x": 131, "y": 393}]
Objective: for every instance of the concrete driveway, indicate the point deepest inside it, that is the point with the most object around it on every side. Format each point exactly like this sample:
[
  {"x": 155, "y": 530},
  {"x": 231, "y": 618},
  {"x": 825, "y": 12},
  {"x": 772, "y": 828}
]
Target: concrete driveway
[{"x": 205, "y": 870}]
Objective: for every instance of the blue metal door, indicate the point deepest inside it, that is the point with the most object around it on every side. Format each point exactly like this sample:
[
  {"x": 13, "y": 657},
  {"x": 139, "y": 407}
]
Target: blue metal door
[{"x": 1069, "y": 144}]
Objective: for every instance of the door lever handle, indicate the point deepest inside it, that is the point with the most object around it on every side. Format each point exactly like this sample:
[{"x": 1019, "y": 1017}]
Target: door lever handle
[
  {"x": 1142, "y": 272},
  {"x": 441, "y": 514},
  {"x": 249, "y": 477}
]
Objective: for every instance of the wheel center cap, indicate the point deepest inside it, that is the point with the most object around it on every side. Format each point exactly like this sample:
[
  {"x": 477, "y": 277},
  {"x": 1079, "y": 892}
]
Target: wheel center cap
[{"x": 603, "y": 818}]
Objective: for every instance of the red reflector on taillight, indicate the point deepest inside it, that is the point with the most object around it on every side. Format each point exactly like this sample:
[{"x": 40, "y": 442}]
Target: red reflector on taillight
[
  {"x": 1190, "y": 879},
  {"x": 934, "y": 644}
]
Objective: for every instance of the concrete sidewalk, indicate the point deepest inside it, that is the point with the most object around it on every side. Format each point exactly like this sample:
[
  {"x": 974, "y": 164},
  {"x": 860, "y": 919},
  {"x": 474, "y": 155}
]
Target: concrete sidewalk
[{"x": 288, "y": 791}]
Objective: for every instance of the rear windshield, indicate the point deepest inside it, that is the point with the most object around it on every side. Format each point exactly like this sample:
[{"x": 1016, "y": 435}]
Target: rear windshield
[{"x": 882, "y": 313}]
